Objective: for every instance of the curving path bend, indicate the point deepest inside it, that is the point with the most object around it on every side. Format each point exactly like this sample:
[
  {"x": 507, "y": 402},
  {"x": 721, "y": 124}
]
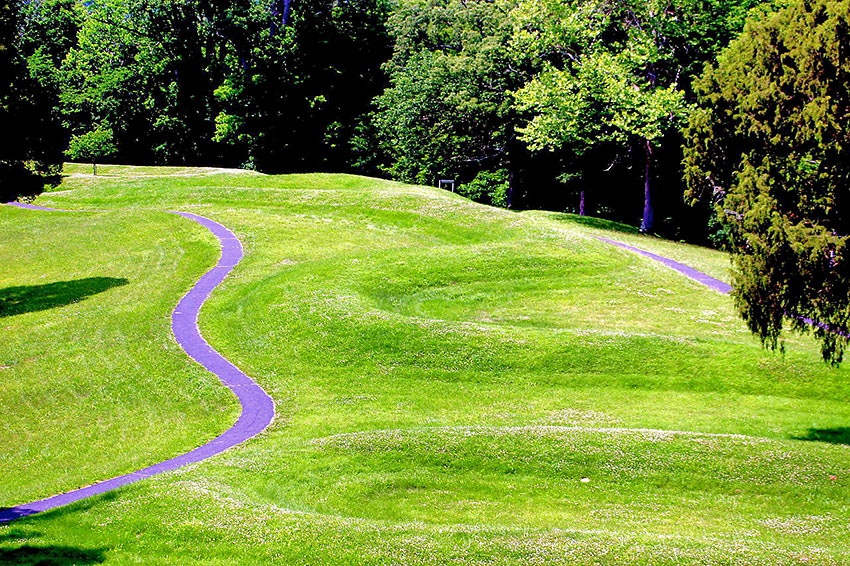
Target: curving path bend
[{"x": 257, "y": 407}]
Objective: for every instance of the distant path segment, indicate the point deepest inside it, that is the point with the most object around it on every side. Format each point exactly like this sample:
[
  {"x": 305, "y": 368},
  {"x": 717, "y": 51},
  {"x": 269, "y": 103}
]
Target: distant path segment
[
  {"x": 687, "y": 271},
  {"x": 711, "y": 282},
  {"x": 34, "y": 207},
  {"x": 257, "y": 407}
]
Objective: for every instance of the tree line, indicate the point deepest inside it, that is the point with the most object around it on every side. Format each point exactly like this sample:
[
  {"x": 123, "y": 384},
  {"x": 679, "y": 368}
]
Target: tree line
[
  {"x": 715, "y": 121},
  {"x": 558, "y": 104}
]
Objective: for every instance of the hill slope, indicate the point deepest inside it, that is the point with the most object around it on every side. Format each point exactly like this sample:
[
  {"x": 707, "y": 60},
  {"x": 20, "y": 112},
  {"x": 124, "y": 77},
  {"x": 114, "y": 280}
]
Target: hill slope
[{"x": 454, "y": 384}]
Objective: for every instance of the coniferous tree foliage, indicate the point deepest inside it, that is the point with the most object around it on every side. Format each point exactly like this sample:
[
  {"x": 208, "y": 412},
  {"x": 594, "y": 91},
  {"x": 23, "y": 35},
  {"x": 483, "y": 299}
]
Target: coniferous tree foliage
[
  {"x": 32, "y": 140},
  {"x": 770, "y": 147}
]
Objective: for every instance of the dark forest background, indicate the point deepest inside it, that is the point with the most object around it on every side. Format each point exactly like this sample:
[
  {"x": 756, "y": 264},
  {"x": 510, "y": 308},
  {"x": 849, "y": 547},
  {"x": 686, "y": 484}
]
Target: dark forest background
[{"x": 567, "y": 105}]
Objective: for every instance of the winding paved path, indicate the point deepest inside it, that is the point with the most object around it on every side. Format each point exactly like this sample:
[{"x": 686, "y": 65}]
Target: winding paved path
[{"x": 257, "y": 406}]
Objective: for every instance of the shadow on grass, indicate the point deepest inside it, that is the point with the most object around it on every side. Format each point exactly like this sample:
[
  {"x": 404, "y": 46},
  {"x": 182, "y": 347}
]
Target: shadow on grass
[
  {"x": 54, "y": 555},
  {"x": 840, "y": 435},
  {"x": 32, "y": 298},
  {"x": 16, "y": 534},
  {"x": 593, "y": 222},
  {"x": 32, "y": 553}
]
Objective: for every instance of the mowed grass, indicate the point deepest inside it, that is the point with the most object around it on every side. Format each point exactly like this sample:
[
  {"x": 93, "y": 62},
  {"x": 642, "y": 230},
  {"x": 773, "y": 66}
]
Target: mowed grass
[
  {"x": 454, "y": 384},
  {"x": 92, "y": 384}
]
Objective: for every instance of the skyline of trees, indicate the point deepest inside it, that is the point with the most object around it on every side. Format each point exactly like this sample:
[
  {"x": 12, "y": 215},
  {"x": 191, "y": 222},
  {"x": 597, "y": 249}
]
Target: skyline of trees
[{"x": 418, "y": 90}]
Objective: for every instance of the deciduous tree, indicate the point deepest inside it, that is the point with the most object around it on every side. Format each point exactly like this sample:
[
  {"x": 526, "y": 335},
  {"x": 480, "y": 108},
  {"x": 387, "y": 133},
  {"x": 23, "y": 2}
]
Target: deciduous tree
[
  {"x": 448, "y": 111},
  {"x": 617, "y": 73},
  {"x": 91, "y": 146}
]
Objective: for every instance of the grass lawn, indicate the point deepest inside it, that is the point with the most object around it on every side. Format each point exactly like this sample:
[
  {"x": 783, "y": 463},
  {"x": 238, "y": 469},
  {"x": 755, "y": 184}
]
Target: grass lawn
[{"x": 455, "y": 384}]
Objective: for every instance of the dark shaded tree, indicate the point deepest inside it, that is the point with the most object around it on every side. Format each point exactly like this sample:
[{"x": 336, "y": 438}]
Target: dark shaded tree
[
  {"x": 293, "y": 97},
  {"x": 148, "y": 68},
  {"x": 448, "y": 111},
  {"x": 272, "y": 85},
  {"x": 769, "y": 148},
  {"x": 32, "y": 140}
]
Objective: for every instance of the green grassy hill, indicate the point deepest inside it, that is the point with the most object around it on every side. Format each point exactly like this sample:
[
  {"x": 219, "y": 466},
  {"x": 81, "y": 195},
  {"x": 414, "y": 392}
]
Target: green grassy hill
[{"x": 454, "y": 384}]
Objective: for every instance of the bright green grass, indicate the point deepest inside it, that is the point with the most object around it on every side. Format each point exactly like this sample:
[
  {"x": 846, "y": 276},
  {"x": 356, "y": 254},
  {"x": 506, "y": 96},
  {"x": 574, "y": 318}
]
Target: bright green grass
[
  {"x": 712, "y": 262},
  {"x": 96, "y": 386},
  {"x": 445, "y": 375}
]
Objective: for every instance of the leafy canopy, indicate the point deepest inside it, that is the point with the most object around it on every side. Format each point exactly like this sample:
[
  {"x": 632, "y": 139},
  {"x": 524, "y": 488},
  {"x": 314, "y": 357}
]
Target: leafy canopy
[
  {"x": 447, "y": 112},
  {"x": 616, "y": 70},
  {"x": 617, "y": 76},
  {"x": 92, "y": 145},
  {"x": 599, "y": 98}
]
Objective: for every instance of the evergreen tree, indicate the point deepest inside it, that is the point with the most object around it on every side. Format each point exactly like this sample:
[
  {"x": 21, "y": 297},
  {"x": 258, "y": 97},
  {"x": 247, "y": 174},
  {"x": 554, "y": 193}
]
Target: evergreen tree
[{"x": 770, "y": 147}]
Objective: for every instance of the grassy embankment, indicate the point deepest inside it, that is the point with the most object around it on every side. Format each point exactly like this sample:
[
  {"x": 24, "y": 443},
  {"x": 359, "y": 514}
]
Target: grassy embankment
[{"x": 445, "y": 374}]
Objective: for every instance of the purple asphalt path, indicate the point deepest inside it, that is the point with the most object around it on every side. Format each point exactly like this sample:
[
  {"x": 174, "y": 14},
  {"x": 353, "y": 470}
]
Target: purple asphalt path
[
  {"x": 685, "y": 270},
  {"x": 257, "y": 406},
  {"x": 34, "y": 207},
  {"x": 709, "y": 281}
]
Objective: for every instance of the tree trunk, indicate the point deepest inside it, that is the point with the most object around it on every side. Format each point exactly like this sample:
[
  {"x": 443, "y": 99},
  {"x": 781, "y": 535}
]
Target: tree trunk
[
  {"x": 280, "y": 9},
  {"x": 581, "y": 203},
  {"x": 509, "y": 197},
  {"x": 94, "y": 168},
  {"x": 286, "y": 8},
  {"x": 648, "y": 208}
]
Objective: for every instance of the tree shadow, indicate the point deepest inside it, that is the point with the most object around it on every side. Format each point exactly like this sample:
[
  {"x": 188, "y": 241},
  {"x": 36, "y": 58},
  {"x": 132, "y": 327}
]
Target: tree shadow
[
  {"x": 31, "y": 553},
  {"x": 32, "y": 298},
  {"x": 17, "y": 534},
  {"x": 594, "y": 222},
  {"x": 840, "y": 435},
  {"x": 53, "y": 555}
]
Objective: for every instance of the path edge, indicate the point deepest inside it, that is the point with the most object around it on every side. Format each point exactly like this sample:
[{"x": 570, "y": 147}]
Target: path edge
[{"x": 257, "y": 407}]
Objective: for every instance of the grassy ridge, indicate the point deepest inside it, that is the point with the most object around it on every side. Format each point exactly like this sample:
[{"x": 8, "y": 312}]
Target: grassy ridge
[{"x": 446, "y": 374}]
